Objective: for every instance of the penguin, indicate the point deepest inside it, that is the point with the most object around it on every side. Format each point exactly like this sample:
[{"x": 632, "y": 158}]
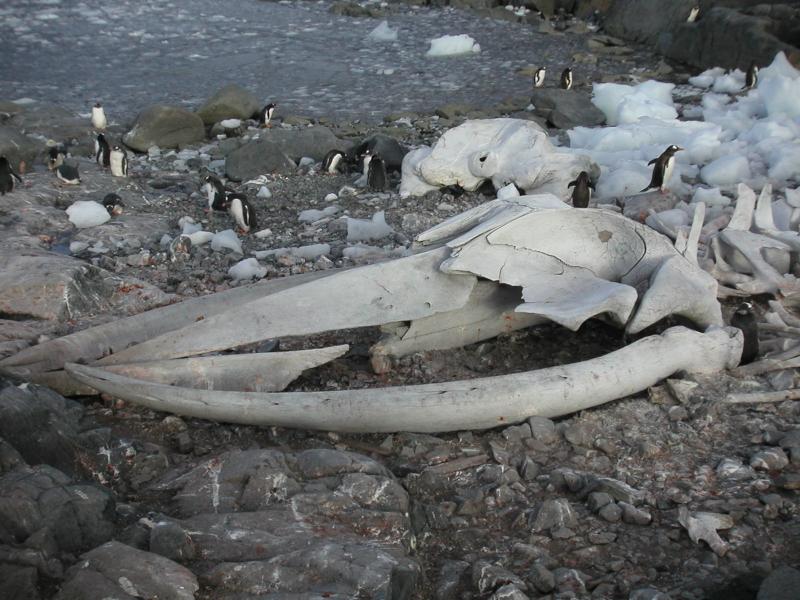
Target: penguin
[
  {"x": 538, "y": 77},
  {"x": 242, "y": 212},
  {"x": 118, "y": 160},
  {"x": 113, "y": 204},
  {"x": 68, "y": 174},
  {"x": 751, "y": 77},
  {"x": 365, "y": 162},
  {"x": 693, "y": 14},
  {"x": 745, "y": 319},
  {"x": 332, "y": 160},
  {"x": 102, "y": 151},
  {"x": 662, "y": 169},
  {"x": 55, "y": 157},
  {"x": 215, "y": 192},
  {"x": 265, "y": 115},
  {"x": 583, "y": 190},
  {"x": 376, "y": 174},
  {"x": 99, "y": 120},
  {"x": 566, "y": 79},
  {"x": 7, "y": 176}
]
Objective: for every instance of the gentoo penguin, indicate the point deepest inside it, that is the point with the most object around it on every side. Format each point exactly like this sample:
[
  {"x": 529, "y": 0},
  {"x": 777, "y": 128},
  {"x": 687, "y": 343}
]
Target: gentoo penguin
[
  {"x": 113, "y": 204},
  {"x": 376, "y": 174},
  {"x": 751, "y": 77},
  {"x": 99, "y": 121},
  {"x": 583, "y": 190},
  {"x": 662, "y": 170},
  {"x": 266, "y": 113},
  {"x": 55, "y": 157},
  {"x": 365, "y": 162},
  {"x": 215, "y": 192},
  {"x": 745, "y": 319},
  {"x": 566, "y": 79},
  {"x": 538, "y": 77},
  {"x": 242, "y": 212},
  {"x": 331, "y": 162},
  {"x": 102, "y": 151},
  {"x": 68, "y": 174},
  {"x": 7, "y": 176},
  {"x": 693, "y": 14},
  {"x": 119, "y": 162}
]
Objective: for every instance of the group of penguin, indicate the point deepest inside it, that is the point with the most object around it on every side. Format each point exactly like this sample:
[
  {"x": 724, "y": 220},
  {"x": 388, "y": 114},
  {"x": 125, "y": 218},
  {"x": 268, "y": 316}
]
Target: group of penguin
[
  {"x": 222, "y": 199},
  {"x": 565, "y": 80}
]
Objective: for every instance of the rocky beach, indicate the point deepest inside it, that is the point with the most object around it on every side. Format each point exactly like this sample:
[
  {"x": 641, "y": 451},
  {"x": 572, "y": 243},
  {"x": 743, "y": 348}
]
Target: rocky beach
[{"x": 678, "y": 492}]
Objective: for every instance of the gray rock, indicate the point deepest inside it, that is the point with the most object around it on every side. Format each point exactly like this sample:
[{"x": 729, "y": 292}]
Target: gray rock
[
  {"x": 771, "y": 459},
  {"x": 611, "y": 513},
  {"x": 543, "y": 429},
  {"x": 451, "y": 579},
  {"x": 53, "y": 122},
  {"x": 508, "y": 592},
  {"x": 314, "y": 142},
  {"x": 389, "y": 149},
  {"x": 529, "y": 469},
  {"x": 488, "y": 577},
  {"x": 566, "y": 109},
  {"x": 781, "y": 584},
  {"x": 579, "y": 434},
  {"x": 648, "y": 593},
  {"x": 119, "y": 571},
  {"x": 570, "y": 581},
  {"x": 231, "y": 102},
  {"x": 598, "y": 500},
  {"x": 553, "y": 514},
  {"x": 257, "y": 158},
  {"x": 165, "y": 127},
  {"x": 170, "y": 540},
  {"x": 353, "y": 9},
  {"x": 17, "y": 581},
  {"x": 790, "y": 440},
  {"x": 16, "y": 147},
  {"x": 633, "y": 515},
  {"x": 542, "y": 578}
]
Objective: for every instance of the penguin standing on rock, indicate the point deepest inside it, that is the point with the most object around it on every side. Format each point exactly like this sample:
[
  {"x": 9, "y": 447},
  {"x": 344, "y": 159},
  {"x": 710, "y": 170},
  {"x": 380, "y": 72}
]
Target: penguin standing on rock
[
  {"x": 566, "y": 79},
  {"x": 119, "y": 162},
  {"x": 265, "y": 115},
  {"x": 99, "y": 120},
  {"x": 68, "y": 174},
  {"x": 538, "y": 77},
  {"x": 242, "y": 212},
  {"x": 7, "y": 176},
  {"x": 583, "y": 190},
  {"x": 751, "y": 77},
  {"x": 215, "y": 192},
  {"x": 745, "y": 319},
  {"x": 102, "y": 151},
  {"x": 113, "y": 204},
  {"x": 332, "y": 160},
  {"x": 662, "y": 170},
  {"x": 376, "y": 174}
]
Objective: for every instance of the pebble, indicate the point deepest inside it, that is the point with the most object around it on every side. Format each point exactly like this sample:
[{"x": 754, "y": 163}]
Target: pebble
[
  {"x": 542, "y": 578},
  {"x": 553, "y": 514},
  {"x": 611, "y": 513},
  {"x": 635, "y": 516},
  {"x": 543, "y": 429}
]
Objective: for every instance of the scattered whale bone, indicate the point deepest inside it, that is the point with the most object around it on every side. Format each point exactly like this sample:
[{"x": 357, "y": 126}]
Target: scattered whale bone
[
  {"x": 449, "y": 406},
  {"x": 502, "y": 150},
  {"x": 703, "y": 526}
]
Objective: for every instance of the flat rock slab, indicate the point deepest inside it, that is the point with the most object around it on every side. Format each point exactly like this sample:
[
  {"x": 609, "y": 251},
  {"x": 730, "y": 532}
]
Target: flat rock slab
[
  {"x": 566, "y": 109},
  {"x": 115, "y": 570},
  {"x": 314, "y": 142},
  {"x": 257, "y": 158},
  {"x": 165, "y": 127}
]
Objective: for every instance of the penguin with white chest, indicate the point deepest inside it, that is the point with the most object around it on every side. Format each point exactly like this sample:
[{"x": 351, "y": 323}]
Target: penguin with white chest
[
  {"x": 566, "y": 79},
  {"x": 376, "y": 174},
  {"x": 215, "y": 192},
  {"x": 119, "y": 162},
  {"x": 242, "y": 212},
  {"x": 102, "y": 150},
  {"x": 7, "y": 176},
  {"x": 662, "y": 171},
  {"x": 113, "y": 204},
  {"x": 583, "y": 190},
  {"x": 332, "y": 160},
  {"x": 56, "y": 156},
  {"x": 538, "y": 77},
  {"x": 265, "y": 115},
  {"x": 68, "y": 174},
  {"x": 751, "y": 77},
  {"x": 99, "y": 120}
]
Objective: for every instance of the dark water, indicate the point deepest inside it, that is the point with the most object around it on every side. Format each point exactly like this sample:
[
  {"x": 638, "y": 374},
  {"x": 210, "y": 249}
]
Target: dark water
[{"x": 129, "y": 54}]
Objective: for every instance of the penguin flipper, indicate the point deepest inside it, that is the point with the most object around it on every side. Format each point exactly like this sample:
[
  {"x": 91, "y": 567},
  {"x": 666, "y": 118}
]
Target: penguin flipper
[
  {"x": 572, "y": 183},
  {"x": 652, "y": 162}
]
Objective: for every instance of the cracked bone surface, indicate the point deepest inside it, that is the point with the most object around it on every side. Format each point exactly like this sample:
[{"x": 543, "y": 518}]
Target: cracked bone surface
[{"x": 501, "y": 150}]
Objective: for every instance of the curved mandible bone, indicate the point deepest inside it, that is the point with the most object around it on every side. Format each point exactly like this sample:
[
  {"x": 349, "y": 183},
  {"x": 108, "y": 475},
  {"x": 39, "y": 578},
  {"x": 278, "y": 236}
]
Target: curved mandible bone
[{"x": 450, "y": 406}]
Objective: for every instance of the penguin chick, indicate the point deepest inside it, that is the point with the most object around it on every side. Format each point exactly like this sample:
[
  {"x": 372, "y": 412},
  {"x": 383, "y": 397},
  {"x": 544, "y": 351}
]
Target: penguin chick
[
  {"x": 118, "y": 160},
  {"x": 538, "y": 77},
  {"x": 68, "y": 174},
  {"x": 332, "y": 161},
  {"x": 265, "y": 114},
  {"x": 745, "y": 319},
  {"x": 566, "y": 79},
  {"x": 242, "y": 212},
  {"x": 215, "y": 192},
  {"x": 751, "y": 77},
  {"x": 113, "y": 204},
  {"x": 376, "y": 174},
  {"x": 102, "y": 151},
  {"x": 662, "y": 170},
  {"x": 55, "y": 157},
  {"x": 7, "y": 176},
  {"x": 99, "y": 120},
  {"x": 583, "y": 190}
]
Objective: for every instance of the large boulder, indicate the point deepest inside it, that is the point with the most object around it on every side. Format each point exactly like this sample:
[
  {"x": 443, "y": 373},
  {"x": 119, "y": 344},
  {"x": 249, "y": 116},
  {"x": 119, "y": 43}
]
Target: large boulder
[
  {"x": 16, "y": 146},
  {"x": 314, "y": 142},
  {"x": 566, "y": 109},
  {"x": 165, "y": 127},
  {"x": 388, "y": 148},
  {"x": 257, "y": 158},
  {"x": 231, "y": 102}
]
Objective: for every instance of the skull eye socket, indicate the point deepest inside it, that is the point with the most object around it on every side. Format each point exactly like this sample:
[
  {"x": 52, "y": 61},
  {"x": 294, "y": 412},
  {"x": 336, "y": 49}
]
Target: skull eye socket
[{"x": 482, "y": 159}]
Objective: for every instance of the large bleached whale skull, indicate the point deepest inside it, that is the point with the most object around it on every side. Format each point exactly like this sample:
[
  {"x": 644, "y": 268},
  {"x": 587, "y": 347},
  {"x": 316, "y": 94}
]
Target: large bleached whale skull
[{"x": 503, "y": 265}]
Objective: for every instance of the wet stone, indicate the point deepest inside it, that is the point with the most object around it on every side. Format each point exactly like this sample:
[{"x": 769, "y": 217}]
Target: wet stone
[
  {"x": 542, "y": 578},
  {"x": 17, "y": 581},
  {"x": 570, "y": 581},
  {"x": 772, "y": 459},
  {"x": 611, "y": 513},
  {"x": 781, "y": 584},
  {"x": 487, "y": 577},
  {"x": 543, "y": 429},
  {"x": 171, "y": 541},
  {"x": 509, "y": 592},
  {"x": 451, "y": 579},
  {"x": 529, "y": 469},
  {"x": 633, "y": 515},
  {"x": 598, "y": 500},
  {"x": 648, "y": 593},
  {"x": 553, "y": 514}
]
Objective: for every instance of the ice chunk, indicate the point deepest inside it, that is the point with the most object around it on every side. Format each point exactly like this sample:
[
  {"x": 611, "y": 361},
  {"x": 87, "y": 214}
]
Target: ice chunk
[
  {"x": 452, "y": 45},
  {"x": 231, "y": 123},
  {"x": 706, "y": 78},
  {"x": 780, "y": 67},
  {"x": 264, "y": 192},
  {"x": 190, "y": 228},
  {"x": 726, "y": 171},
  {"x": 730, "y": 83},
  {"x": 622, "y": 182},
  {"x": 306, "y": 161},
  {"x": 509, "y": 191},
  {"x": 249, "y": 268},
  {"x": 780, "y": 96},
  {"x": 77, "y": 247},
  {"x": 331, "y": 197},
  {"x": 784, "y": 161},
  {"x": 668, "y": 221},
  {"x": 651, "y": 98},
  {"x": 710, "y": 197},
  {"x": 383, "y": 33},
  {"x": 226, "y": 239},
  {"x": 309, "y": 252},
  {"x": 364, "y": 230},
  {"x": 264, "y": 233},
  {"x": 200, "y": 238},
  {"x": 87, "y": 213},
  {"x": 312, "y": 215}
]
